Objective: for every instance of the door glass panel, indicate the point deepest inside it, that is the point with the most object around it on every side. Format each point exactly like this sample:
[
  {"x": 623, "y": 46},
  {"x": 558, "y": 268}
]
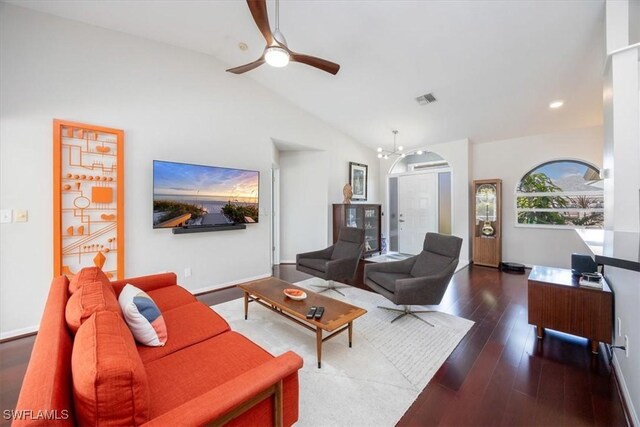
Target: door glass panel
[
  {"x": 352, "y": 219},
  {"x": 393, "y": 214},
  {"x": 371, "y": 229}
]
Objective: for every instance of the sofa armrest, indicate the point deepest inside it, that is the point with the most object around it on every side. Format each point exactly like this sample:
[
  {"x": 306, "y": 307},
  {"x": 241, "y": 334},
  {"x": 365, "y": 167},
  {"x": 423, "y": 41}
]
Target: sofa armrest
[
  {"x": 147, "y": 283},
  {"x": 223, "y": 399},
  {"x": 323, "y": 254},
  {"x": 403, "y": 266}
]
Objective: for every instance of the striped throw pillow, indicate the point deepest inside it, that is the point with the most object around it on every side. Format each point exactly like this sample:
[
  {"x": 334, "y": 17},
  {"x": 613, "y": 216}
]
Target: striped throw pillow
[{"x": 143, "y": 317}]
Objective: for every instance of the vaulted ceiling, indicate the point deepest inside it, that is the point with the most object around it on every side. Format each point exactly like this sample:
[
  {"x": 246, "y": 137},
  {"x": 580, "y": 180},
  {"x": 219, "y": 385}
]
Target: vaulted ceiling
[{"x": 494, "y": 66}]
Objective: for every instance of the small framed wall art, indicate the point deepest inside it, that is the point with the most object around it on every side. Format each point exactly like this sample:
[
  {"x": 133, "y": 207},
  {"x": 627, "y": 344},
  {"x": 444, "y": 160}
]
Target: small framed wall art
[{"x": 358, "y": 175}]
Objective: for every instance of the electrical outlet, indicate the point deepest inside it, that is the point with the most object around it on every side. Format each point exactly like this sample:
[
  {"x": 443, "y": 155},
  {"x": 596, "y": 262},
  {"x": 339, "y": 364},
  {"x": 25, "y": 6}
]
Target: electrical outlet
[
  {"x": 187, "y": 272},
  {"x": 626, "y": 346},
  {"x": 619, "y": 327}
]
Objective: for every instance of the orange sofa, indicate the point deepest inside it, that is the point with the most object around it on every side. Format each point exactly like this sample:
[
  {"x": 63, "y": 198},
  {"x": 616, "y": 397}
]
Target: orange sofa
[{"x": 205, "y": 373}]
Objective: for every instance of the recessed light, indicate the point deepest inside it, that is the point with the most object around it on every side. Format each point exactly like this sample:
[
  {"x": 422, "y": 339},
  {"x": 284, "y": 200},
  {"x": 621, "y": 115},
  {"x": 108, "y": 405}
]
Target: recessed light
[
  {"x": 243, "y": 46},
  {"x": 556, "y": 104}
]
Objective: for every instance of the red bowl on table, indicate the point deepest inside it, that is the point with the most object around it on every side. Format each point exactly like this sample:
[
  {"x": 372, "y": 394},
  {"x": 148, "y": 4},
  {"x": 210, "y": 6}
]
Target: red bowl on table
[{"x": 295, "y": 294}]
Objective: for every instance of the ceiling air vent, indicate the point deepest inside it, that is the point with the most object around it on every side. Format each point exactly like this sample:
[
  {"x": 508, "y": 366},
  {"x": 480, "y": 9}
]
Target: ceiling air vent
[{"x": 426, "y": 99}]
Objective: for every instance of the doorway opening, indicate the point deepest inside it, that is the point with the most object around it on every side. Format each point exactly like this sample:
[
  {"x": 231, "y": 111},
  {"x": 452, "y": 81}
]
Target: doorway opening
[{"x": 419, "y": 201}]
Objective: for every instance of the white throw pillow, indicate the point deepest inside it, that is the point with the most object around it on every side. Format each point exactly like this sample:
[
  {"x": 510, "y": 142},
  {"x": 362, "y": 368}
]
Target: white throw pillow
[{"x": 143, "y": 317}]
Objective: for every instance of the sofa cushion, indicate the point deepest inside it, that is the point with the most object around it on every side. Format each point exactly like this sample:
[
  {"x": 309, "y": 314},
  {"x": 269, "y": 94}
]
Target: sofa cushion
[
  {"x": 170, "y": 297},
  {"x": 109, "y": 381},
  {"x": 143, "y": 316},
  {"x": 314, "y": 263},
  {"x": 88, "y": 299},
  {"x": 388, "y": 280},
  {"x": 429, "y": 263},
  {"x": 146, "y": 283},
  {"x": 186, "y": 325},
  {"x": 87, "y": 275},
  {"x": 186, "y": 374}
]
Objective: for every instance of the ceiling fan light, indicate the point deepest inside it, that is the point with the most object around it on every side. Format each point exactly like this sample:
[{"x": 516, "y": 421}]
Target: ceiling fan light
[
  {"x": 379, "y": 149},
  {"x": 386, "y": 157},
  {"x": 379, "y": 155},
  {"x": 276, "y": 56},
  {"x": 556, "y": 104}
]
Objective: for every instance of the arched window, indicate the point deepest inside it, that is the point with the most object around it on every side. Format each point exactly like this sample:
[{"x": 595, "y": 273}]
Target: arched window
[{"x": 561, "y": 193}]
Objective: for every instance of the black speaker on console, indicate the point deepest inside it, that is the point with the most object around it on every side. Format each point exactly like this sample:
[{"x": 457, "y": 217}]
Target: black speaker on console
[{"x": 582, "y": 264}]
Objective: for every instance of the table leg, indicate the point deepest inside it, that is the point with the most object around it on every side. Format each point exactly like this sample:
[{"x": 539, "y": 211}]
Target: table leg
[
  {"x": 595, "y": 346},
  {"x": 319, "y": 346},
  {"x": 246, "y": 305},
  {"x": 540, "y": 331},
  {"x": 350, "y": 333}
]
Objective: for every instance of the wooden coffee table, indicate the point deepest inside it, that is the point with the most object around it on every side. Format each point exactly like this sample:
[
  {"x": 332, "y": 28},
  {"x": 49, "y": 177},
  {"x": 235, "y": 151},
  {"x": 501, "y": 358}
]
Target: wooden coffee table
[{"x": 338, "y": 316}]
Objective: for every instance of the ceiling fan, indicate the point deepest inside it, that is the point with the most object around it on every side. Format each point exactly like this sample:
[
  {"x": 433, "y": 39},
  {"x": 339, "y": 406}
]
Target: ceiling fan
[{"x": 276, "y": 52}]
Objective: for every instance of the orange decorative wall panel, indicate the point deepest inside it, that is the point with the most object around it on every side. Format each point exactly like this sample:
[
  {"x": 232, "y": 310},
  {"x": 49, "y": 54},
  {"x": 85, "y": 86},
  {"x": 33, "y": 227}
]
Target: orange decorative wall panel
[{"x": 88, "y": 198}]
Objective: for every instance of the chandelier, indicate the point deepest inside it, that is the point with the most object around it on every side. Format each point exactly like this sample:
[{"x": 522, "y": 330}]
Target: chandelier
[{"x": 397, "y": 150}]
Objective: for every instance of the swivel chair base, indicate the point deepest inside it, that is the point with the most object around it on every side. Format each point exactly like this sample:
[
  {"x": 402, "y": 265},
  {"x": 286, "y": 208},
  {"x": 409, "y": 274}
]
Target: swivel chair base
[
  {"x": 330, "y": 286},
  {"x": 407, "y": 311}
]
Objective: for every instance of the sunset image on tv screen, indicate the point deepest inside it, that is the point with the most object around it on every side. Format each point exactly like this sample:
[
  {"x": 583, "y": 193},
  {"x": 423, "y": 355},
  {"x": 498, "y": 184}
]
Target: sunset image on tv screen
[{"x": 195, "y": 195}]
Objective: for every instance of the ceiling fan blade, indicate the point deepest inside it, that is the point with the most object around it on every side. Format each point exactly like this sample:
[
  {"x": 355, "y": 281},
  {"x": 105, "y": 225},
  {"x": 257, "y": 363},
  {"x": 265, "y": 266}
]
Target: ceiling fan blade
[
  {"x": 247, "y": 67},
  {"x": 322, "y": 64},
  {"x": 258, "y": 10}
]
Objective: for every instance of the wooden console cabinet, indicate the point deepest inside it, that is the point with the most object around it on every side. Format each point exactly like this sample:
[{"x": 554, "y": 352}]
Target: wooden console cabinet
[{"x": 557, "y": 301}]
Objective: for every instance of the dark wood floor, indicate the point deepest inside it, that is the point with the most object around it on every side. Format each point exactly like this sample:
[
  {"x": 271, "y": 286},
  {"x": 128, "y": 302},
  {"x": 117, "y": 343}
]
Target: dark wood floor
[{"x": 500, "y": 374}]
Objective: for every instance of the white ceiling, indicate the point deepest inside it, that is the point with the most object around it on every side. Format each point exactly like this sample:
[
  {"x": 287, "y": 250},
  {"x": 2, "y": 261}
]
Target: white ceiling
[{"x": 493, "y": 65}]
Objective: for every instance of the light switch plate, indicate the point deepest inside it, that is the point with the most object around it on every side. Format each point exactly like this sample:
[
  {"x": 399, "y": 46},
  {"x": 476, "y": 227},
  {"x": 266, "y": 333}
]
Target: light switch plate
[
  {"x": 5, "y": 215},
  {"x": 21, "y": 215}
]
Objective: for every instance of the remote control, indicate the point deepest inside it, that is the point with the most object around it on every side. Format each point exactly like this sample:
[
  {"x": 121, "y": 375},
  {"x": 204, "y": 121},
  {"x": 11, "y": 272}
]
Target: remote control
[
  {"x": 319, "y": 312},
  {"x": 311, "y": 312}
]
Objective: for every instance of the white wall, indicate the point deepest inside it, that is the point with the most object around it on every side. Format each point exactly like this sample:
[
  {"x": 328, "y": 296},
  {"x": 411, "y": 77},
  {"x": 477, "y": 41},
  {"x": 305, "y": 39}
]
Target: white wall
[
  {"x": 311, "y": 182},
  {"x": 509, "y": 160},
  {"x": 173, "y": 104},
  {"x": 634, "y": 21},
  {"x": 303, "y": 189},
  {"x": 622, "y": 183},
  {"x": 627, "y": 295}
]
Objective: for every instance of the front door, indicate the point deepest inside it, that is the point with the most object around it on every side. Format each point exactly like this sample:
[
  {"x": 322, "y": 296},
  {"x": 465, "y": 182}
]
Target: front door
[{"x": 417, "y": 210}]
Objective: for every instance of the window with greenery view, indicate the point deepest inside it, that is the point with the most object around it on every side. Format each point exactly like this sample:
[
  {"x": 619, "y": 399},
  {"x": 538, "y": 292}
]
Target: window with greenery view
[{"x": 563, "y": 193}]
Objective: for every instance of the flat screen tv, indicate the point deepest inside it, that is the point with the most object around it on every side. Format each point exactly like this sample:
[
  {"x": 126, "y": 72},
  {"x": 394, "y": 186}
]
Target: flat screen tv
[{"x": 195, "y": 195}]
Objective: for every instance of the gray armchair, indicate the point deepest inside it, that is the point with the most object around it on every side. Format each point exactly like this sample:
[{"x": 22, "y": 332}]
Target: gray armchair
[
  {"x": 419, "y": 280},
  {"x": 337, "y": 262}
]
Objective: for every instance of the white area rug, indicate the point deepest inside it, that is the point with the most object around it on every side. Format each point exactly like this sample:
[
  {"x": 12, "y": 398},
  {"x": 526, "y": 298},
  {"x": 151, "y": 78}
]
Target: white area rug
[{"x": 371, "y": 384}]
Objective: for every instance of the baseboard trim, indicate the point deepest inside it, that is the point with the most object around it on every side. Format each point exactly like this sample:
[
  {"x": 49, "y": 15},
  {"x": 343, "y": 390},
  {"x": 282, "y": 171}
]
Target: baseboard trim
[
  {"x": 625, "y": 396},
  {"x": 228, "y": 285},
  {"x": 18, "y": 333},
  {"x": 287, "y": 261}
]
